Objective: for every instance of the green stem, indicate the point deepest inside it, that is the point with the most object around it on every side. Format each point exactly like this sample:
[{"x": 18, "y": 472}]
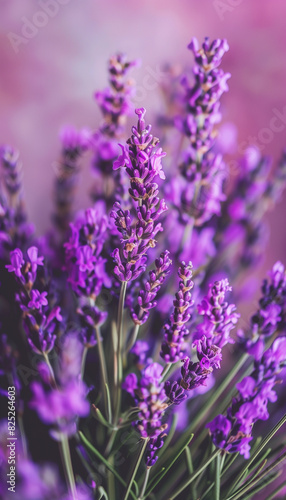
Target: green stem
[
  {"x": 133, "y": 338},
  {"x": 67, "y": 463},
  {"x": 138, "y": 461},
  {"x": 119, "y": 347},
  {"x": 83, "y": 360},
  {"x": 166, "y": 371},
  {"x": 191, "y": 471},
  {"x": 144, "y": 486},
  {"x": 104, "y": 380},
  {"x": 196, "y": 474},
  {"x": 217, "y": 477},
  {"x": 46, "y": 357}
]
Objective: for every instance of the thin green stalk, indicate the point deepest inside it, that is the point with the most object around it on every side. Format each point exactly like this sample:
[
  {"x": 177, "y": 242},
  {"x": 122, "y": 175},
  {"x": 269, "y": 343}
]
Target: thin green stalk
[
  {"x": 104, "y": 380},
  {"x": 144, "y": 486},
  {"x": 133, "y": 338},
  {"x": 110, "y": 442},
  {"x": 83, "y": 360},
  {"x": 119, "y": 347},
  {"x": 217, "y": 477},
  {"x": 46, "y": 357},
  {"x": 137, "y": 463},
  {"x": 103, "y": 460},
  {"x": 190, "y": 470},
  {"x": 196, "y": 474},
  {"x": 67, "y": 464},
  {"x": 248, "y": 486},
  {"x": 174, "y": 457},
  {"x": 166, "y": 370}
]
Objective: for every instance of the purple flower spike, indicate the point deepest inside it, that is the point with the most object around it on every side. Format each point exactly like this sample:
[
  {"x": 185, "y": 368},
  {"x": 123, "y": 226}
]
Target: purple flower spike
[
  {"x": 270, "y": 316},
  {"x": 83, "y": 260},
  {"x": 150, "y": 289},
  {"x": 173, "y": 348},
  {"x": 203, "y": 171},
  {"x": 149, "y": 395},
  {"x": 219, "y": 317},
  {"x": 40, "y": 316},
  {"x": 142, "y": 162}
]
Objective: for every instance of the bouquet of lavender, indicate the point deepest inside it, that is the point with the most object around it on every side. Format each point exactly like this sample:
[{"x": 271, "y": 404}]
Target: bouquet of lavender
[{"x": 121, "y": 337}]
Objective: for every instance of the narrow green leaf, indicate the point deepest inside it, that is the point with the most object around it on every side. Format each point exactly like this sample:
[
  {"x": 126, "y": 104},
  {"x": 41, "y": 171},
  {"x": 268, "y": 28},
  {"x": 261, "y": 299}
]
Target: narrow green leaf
[
  {"x": 196, "y": 474},
  {"x": 260, "y": 486},
  {"x": 191, "y": 470},
  {"x": 251, "y": 483},
  {"x": 156, "y": 480},
  {"x": 217, "y": 477},
  {"x": 137, "y": 463},
  {"x": 103, "y": 494},
  {"x": 108, "y": 402},
  {"x": 91, "y": 448},
  {"x": 98, "y": 415}
]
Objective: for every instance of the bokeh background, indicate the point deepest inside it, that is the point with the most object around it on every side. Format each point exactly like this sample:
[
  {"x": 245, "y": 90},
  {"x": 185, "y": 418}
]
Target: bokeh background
[{"x": 49, "y": 79}]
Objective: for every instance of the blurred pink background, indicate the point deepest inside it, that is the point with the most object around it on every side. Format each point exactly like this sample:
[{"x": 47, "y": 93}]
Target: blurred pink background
[{"x": 52, "y": 78}]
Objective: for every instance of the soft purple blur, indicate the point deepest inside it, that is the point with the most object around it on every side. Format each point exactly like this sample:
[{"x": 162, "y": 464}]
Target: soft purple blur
[{"x": 51, "y": 81}]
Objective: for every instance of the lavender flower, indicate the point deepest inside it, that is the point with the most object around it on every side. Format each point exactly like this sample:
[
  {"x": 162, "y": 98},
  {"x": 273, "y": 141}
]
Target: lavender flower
[
  {"x": 203, "y": 171},
  {"x": 86, "y": 268},
  {"x": 151, "y": 287},
  {"x": 41, "y": 316},
  {"x": 149, "y": 395},
  {"x": 219, "y": 317},
  {"x": 115, "y": 104},
  {"x": 143, "y": 163},
  {"x": 233, "y": 432},
  {"x": 84, "y": 263},
  {"x": 173, "y": 349},
  {"x": 74, "y": 143},
  {"x": 115, "y": 101},
  {"x": 270, "y": 317},
  {"x": 14, "y": 229}
]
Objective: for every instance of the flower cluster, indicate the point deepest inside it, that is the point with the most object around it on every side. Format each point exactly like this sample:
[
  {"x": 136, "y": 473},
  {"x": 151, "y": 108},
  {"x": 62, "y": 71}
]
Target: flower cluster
[
  {"x": 219, "y": 317},
  {"x": 115, "y": 104},
  {"x": 173, "y": 346},
  {"x": 211, "y": 335},
  {"x": 84, "y": 262},
  {"x": 115, "y": 101},
  {"x": 203, "y": 171},
  {"x": 142, "y": 161},
  {"x": 74, "y": 142},
  {"x": 149, "y": 395},
  {"x": 85, "y": 267},
  {"x": 233, "y": 432},
  {"x": 270, "y": 317},
  {"x": 151, "y": 287},
  {"x": 14, "y": 228},
  {"x": 41, "y": 315}
]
